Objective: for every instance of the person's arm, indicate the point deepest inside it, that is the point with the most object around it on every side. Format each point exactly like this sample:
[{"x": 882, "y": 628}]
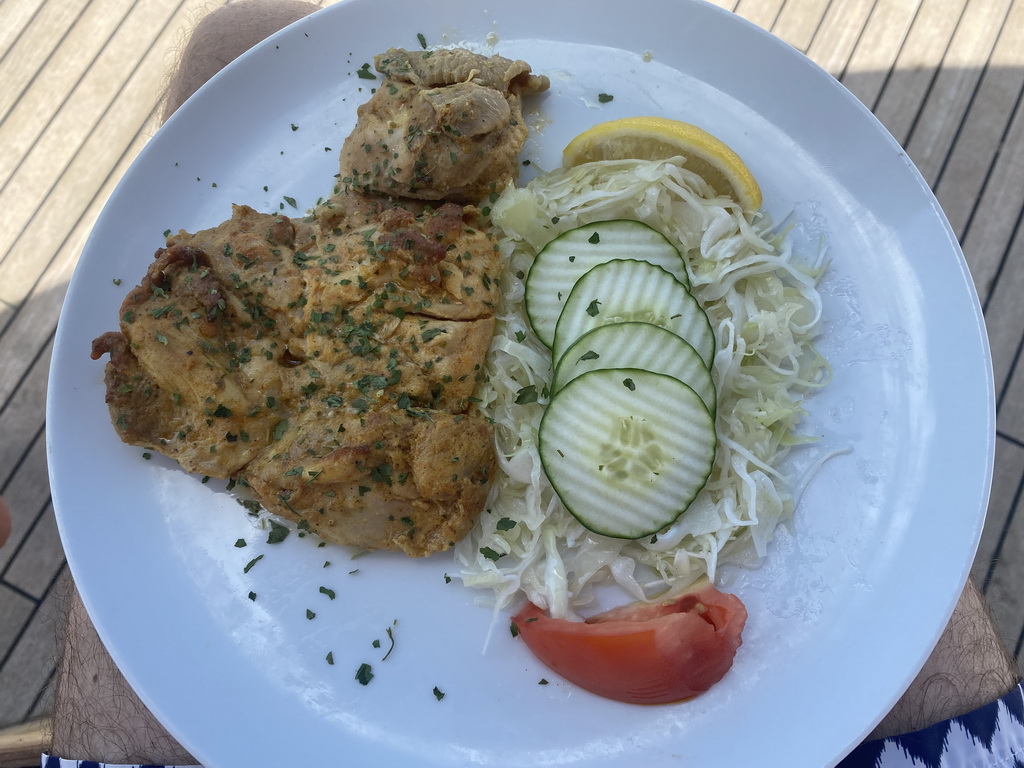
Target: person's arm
[
  {"x": 969, "y": 667},
  {"x": 96, "y": 714}
]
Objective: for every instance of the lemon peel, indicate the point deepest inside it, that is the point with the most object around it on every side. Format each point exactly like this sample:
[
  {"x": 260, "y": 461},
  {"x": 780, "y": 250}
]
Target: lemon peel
[{"x": 659, "y": 138}]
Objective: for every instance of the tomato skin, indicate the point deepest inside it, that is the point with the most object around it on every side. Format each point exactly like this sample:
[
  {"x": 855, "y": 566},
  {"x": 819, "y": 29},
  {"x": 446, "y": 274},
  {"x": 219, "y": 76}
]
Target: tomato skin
[{"x": 641, "y": 653}]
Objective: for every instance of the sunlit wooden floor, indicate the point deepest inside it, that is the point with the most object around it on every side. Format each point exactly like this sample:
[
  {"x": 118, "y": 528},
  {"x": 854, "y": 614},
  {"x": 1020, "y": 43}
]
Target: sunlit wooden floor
[{"x": 80, "y": 81}]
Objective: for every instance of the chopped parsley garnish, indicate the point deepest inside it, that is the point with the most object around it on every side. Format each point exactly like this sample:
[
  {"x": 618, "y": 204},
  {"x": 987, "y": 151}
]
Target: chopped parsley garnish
[
  {"x": 365, "y": 73},
  {"x": 329, "y": 592},
  {"x": 278, "y": 533},
  {"x": 438, "y": 693},
  {"x": 604, "y": 98},
  {"x": 251, "y": 563},
  {"x": 431, "y": 333},
  {"x": 391, "y": 637},
  {"x": 364, "y": 674},
  {"x": 628, "y": 384},
  {"x": 505, "y": 524},
  {"x": 592, "y": 308},
  {"x": 527, "y": 395},
  {"x": 251, "y": 505},
  {"x": 490, "y": 554}
]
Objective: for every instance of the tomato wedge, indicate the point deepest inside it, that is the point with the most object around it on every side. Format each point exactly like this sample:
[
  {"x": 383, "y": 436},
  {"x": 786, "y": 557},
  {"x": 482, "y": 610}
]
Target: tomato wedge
[{"x": 642, "y": 653}]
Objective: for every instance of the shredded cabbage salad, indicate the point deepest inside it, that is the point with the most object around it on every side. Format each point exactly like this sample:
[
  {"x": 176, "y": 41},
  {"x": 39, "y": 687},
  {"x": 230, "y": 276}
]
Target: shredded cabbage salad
[{"x": 766, "y": 311}]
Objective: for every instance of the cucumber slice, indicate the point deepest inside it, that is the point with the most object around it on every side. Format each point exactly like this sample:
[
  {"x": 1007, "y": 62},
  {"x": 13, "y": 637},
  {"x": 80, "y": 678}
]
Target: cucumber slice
[
  {"x": 627, "y": 290},
  {"x": 572, "y": 254},
  {"x": 637, "y": 345},
  {"x": 627, "y": 450}
]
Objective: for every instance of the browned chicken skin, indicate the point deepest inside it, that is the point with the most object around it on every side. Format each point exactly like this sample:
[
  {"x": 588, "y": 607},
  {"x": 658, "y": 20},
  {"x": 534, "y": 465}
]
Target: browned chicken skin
[{"x": 329, "y": 363}]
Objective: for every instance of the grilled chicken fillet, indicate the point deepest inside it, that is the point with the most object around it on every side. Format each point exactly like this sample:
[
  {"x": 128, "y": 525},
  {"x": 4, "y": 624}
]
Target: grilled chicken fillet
[{"x": 328, "y": 363}]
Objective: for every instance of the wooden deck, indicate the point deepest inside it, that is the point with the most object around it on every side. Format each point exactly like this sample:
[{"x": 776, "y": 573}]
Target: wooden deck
[{"x": 79, "y": 85}]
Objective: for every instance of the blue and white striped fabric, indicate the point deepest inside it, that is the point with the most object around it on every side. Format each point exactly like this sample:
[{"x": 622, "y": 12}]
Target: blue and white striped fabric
[{"x": 989, "y": 737}]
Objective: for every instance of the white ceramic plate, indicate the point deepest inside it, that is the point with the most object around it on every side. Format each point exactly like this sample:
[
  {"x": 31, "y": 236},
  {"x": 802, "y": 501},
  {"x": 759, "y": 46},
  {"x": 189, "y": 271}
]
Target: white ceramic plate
[{"x": 842, "y": 613}]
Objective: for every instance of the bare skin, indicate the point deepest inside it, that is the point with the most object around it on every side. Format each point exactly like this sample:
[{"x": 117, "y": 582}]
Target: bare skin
[
  {"x": 97, "y": 716},
  {"x": 970, "y": 666},
  {"x": 222, "y": 36}
]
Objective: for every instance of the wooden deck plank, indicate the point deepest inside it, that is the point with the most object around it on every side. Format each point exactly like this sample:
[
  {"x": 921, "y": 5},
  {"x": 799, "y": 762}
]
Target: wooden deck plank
[
  {"x": 33, "y": 325},
  {"x": 28, "y": 56},
  {"x": 1005, "y": 319},
  {"x": 798, "y": 22},
  {"x": 838, "y": 34},
  {"x": 31, "y": 663},
  {"x": 763, "y": 13},
  {"x": 1003, "y": 591},
  {"x": 51, "y": 86},
  {"x": 1001, "y": 510},
  {"x": 994, "y": 248},
  {"x": 44, "y": 170},
  {"x": 1006, "y": 479},
  {"x": 37, "y": 563},
  {"x": 916, "y": 65},
  {"x": 17, "y": 611},
  {"x": 22, "y": 415},
  {"x": 15, "y": 15},
  {"x": 28, "y": 494},
  {"x": 940, "y": 119},
  {"x": 878, "y": 48},
  {"x": 984, "y": 143},
  {"x": 980, "y": 144}
]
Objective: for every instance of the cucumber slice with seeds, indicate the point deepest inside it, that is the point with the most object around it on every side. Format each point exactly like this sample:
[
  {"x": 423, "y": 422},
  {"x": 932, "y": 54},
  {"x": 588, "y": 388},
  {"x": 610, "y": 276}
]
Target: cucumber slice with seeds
[
  {"x": 637, "y": 345},
  {"x": 572, "y": 254},
  {"x": 627, "y": 450},
  {"x": 625, "y": 290}
]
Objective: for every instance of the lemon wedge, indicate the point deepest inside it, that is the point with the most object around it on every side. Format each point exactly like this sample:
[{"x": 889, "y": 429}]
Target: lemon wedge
[{"x": 658, "y": 138}]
